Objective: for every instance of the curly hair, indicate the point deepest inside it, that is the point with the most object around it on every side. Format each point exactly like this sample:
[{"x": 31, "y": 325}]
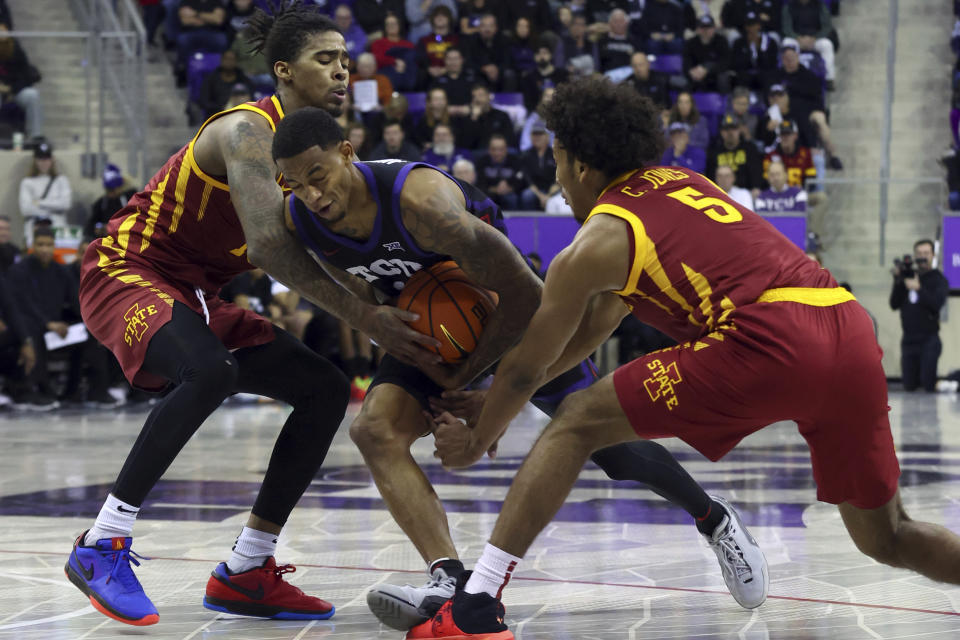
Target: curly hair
[
  {"x": 608, "y": 127},
  {"x": 281, "y": 32}
]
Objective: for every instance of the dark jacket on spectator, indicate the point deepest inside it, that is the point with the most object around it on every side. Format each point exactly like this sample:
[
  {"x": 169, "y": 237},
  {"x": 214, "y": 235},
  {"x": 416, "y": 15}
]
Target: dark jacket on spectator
[
  {"x": 479, "y": 52},
  {"x": 408, "y": 151},
  {"x": 569, "y": 49},
  {"x": 616, "y": 52},
  {"x": 805, "y": 90},
  {"x": 490, "y": 174},
  {"x": 654, "y": 87},
  {"x": 215, "y": 91},
  {"x": 734, "y": 13},
  {"x": 10, "y": 314},
  {"x": 534, "y": 82},
  {"x": 370, "y": 14},
  {"x": 17, "y": 72},
  {"x": 102, "y": 210},
  {"x": 922, "y": 319},
  {"x": 663, "y": 17},
  {"x": 458, "y": 89},
  {"x": 744, "y": 160},
  {"x": 755, "y": 65},
  {"x": 377, "y": 120},
  {"x": 715, "y": 56},
  {"x": 811, "y": 19},
  {"x": 422, "y": 133},
  {"x": 599, "y": 10},
  {"x": 537, "y": 11},
  {"x": 8, "y": 255},
  {"x": 45, "y": 294},
  {"x": 259, "y": 290},
  {"x": 5, "y": 16},
  {"x": 539, "y": 171},
  {"x": 477, "y": 132}
]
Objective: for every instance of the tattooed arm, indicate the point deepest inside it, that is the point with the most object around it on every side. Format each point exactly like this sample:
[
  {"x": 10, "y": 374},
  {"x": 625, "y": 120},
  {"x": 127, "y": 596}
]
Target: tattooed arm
[
  {"x": 244, "y": 148},
  {"x": 435, "y": 214}
]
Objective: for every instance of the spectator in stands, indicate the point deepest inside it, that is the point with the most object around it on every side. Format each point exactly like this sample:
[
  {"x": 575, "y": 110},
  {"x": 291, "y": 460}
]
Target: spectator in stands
[
  {"x": 500, "y": 173},
  {"x": 444, "y": 153},
  {"x": 9, "y": 252},
  {"x": 353, "y": 33},
  {"x": 726, "y": 180},
  {"x": 781, "y": 197},
  {"x": 202, "y": 28},
  {"x": 217, "y": 87},
  {"x": 253, "y": 64},
  {"x": 685, "y": 110},
  {"x": 557, "y": 205},
  {"x": 395, "y": 56},
  {"x": 394, "y": 145},
  {"x": 796, "y": 158},
  {"x": 563, "y": 21},
  {"x": 806, "y": 100},
  {"x": 536, "y": 12},
  {"x": 44, "y": 292},
  {"x": 740, "y": 156},
  {"x": 465, "y": 171},
  {"x": 648, "y": 83},
  {"x": 618, "y": 45},
  {"x": 534, "y": 119},
  {"x": 432, "y": 48},
  {"x": 437, "y": 112},
  {"x": 663, "y": 23},
  {"x": 17, "y": 77},
  {"x": 471, "y": 15},
  {"x": 706, "y": 58},
  {"x": 539, "y": 171},
  {"x": 578, "y": 53},
  {"x": 456, "y": 81},
  {"x": 681, "y": 153},
  {"x": 420, "y": 16},
  {"x": 348, "y": 114},
  {"x": 398, "y": 110},
  {"x": 18, "y": 356},
  {"x": 734, "y": 15},
  {"x": 740, "y": 111},
  {"x": 810, "y": 23},
  {"x": 543, "y": 77},
  {"x": 238, "y": 12},
  {"x": 372, "y": 15},
  {"x": 755, "y": 56},
  {"x": 152, "y": 13},
  {"x": 115, "y": 196},
  {"x": 360, "y": 139},
  {"x": 522, "y": 46},
  {"x": 45, "y": 194},
  {"x": 367, "y": 70},
  {"x": 253, "y": 290},
  {"x": 489, "y": 54},
  {"x": 485, "y": 121}
]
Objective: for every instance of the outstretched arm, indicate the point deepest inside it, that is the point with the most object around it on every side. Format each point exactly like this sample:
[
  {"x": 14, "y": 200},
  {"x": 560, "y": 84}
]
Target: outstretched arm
[
  {"x": 435, "y": 214},
  {"x": 258, "y": 199}
]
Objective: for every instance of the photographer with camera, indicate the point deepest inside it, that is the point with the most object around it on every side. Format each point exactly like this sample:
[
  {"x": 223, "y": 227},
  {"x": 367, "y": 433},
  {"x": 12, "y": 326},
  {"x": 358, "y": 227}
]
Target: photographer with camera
[{"x": 919, "y": 292}]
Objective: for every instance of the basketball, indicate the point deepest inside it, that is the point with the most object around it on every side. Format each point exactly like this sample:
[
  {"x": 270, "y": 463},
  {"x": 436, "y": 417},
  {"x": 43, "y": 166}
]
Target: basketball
[{"x": 452, "y": 309}]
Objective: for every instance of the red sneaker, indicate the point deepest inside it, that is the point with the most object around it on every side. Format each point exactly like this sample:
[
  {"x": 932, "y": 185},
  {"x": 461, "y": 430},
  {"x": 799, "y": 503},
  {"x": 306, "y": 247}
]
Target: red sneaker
[
  {"x": 466, "y": 616},
  {"x": 262, "y": 592}
]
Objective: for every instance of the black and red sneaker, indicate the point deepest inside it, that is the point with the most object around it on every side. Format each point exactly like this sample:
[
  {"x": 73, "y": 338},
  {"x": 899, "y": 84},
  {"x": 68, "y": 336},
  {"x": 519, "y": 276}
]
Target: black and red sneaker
[
  {"x": 262, "y": 592},
  {"x": 466, "y": 616}
]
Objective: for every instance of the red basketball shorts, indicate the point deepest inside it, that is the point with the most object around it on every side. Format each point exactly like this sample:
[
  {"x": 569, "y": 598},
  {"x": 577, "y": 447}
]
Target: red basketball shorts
[
  {"x": 125, "y": 310},
  {"x": 817, "y": 366}
]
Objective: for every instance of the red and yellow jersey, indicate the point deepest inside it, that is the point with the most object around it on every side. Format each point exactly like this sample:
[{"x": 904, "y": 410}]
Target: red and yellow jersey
[
  {"x": 183, "y": 224},
  {"x": 698, "y": 256},
  {"x": 799, "y": 165}
]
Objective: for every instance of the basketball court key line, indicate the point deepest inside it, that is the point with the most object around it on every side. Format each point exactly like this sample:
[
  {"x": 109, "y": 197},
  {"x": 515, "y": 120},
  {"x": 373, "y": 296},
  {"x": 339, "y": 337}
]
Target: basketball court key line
[{"x": 557, "y": 581}]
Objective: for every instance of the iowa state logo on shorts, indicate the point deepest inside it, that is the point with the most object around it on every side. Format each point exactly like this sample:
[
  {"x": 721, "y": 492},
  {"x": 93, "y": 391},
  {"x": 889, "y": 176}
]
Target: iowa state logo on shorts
[
  {"x": 136, "y": 326},
  {"x": 661, "y": 382}
]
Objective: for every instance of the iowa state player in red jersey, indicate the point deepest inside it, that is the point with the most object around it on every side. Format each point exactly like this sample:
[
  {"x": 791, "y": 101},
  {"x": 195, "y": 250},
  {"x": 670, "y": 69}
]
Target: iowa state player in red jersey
[
  {"x": 149, "y": 292},
  {"x": 765, "y": 335}
]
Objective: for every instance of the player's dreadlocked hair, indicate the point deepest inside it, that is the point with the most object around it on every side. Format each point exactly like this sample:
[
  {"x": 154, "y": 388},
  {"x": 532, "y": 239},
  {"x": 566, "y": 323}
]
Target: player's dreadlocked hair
[
  {"x": 303, "y": 129},
  {"x": 608, "y": 127},
  {"x": 281, "y": 32}
]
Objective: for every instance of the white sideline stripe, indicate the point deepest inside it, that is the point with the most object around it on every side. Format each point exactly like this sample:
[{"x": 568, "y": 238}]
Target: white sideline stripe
[{"x": 63, "y": 616}]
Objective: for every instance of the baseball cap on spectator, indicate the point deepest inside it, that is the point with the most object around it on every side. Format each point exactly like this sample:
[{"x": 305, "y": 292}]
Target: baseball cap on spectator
[
  {"x": 679, "y": 126},
  {"x": 706, "y": 20},
  {"x": 776, "y": 88},
  {"x": 112, "y": 177},
  {"x": 538, "y": 127},
  {"x": 729, "y": 121},
  {"x": 787, "y": 126},
  {"x": 43, "y": 150},
  {"x": 790, "y": 43},
  {"x": 752, "y": 18}
]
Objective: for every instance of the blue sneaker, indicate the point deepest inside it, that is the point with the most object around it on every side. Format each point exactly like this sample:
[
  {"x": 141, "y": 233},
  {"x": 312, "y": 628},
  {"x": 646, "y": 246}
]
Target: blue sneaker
[{"x": 103, "y": 573}]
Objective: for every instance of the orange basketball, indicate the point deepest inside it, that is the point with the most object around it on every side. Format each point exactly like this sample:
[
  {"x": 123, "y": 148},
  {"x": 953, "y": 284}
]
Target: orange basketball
[{"x": 452, "y": 309}]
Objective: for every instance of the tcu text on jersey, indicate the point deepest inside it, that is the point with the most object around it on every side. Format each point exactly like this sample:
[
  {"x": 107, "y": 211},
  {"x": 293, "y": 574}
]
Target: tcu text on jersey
[{"x": 392, "y": 267}]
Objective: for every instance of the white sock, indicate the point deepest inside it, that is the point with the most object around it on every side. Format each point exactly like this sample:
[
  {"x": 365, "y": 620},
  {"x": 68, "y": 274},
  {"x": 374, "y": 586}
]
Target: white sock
[
  {"x": 492, "y": 572},
  {"x": 115, "y": 520},
  {"x": 252, "y": 549}
]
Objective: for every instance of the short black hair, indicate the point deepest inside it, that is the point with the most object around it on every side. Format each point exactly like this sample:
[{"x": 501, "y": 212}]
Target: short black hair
[
  {"x": 916, "y": 244},
  {"x": 303, "y": 129},
  {"x": 608, "y": 127},
  {"x": 4, "y": 217},
  {"x": 281, "y": 32},
  {"x": 43, "y": 231}
]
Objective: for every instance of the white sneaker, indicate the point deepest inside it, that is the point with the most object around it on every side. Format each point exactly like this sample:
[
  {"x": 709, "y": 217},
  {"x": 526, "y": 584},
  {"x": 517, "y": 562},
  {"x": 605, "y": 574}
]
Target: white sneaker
[
  {"x": 405, "y": 607},
  {"x": 742, "y": 562}
]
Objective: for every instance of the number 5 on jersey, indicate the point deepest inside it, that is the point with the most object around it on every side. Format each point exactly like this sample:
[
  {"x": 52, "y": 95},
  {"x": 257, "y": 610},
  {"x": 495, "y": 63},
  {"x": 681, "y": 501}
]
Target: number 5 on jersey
[{"x": 707, "y": 205}]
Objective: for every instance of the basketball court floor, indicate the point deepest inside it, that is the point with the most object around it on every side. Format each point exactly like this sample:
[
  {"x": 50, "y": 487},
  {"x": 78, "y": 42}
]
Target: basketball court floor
[{"x": 618, "y": 563}]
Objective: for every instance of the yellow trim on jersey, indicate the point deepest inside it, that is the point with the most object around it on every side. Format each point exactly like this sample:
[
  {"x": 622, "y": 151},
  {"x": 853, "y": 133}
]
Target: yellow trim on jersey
[
  {"x": 156, "y": 199},
  {"x": 621, "y": 178},
  {"x": 190, "y": 159},
  {"x": 180, "y": 196},
  {"x": 204, "y": 198},
  {"x": 276, "y": 105},
  {"x": 809, "y": 296},
  {"x": 639, "y": 242}
]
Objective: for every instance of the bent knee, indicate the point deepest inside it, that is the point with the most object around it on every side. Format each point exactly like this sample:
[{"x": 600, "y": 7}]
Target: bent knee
[
  {"x": 575, "y": 419},
  {"x": 373, "y": 434},
  {"x": 218, "y": 372}
]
